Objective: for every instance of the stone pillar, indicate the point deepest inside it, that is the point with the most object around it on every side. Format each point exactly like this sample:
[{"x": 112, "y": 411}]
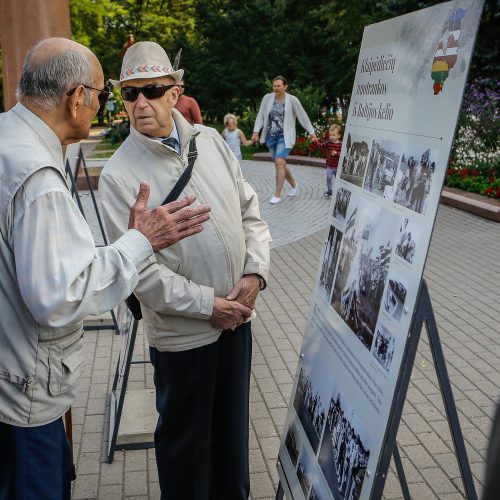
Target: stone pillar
[{"x": 22, "y": 24}]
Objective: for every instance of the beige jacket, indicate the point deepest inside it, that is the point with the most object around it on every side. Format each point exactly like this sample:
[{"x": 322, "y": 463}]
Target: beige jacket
[{"x": 177, "y": 293}]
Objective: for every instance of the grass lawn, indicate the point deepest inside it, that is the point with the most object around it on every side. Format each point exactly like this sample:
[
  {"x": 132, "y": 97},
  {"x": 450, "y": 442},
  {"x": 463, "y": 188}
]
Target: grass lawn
[
  {"x": 248, "y": 151},
  {"x": 105, "y": 148}
]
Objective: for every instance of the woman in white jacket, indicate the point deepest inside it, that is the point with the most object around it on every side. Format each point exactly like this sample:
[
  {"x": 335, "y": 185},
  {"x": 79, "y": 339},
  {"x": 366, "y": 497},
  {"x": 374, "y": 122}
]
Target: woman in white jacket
[{"x": 275, "y": 124}]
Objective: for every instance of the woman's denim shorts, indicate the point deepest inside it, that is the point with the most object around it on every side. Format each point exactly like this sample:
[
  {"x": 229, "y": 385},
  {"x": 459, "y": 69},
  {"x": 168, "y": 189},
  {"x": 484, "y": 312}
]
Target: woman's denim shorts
[{"x": 276, "y": 145}]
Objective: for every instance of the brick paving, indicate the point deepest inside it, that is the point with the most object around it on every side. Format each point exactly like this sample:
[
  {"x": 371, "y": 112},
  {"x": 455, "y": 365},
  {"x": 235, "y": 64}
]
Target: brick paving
[{"x": 461, "y": 274}]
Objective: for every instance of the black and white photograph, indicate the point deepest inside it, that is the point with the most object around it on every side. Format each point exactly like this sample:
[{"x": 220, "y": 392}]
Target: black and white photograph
[
  {"x": 304, "y": 471},
  {"x": 382, "y": 167},
  {"x": 364, "y": 260},
  {"x": 414, "y": 179},
  {"x": 330, "y": 258},
  {"x": 345, "y": 449},
  {"x": 292, "y": 443},
  {"x": 341, "y": 204},
  {"x": 395, "y": 296},
  {"x": 319, "y": 488},
  {"x": 355, "y": 159},
  {"x": 383, "y": 349},
  {"x": 409, "y": 235},
  {"x": 317, "y": 493},
  {"x": 311, "y": 397}
]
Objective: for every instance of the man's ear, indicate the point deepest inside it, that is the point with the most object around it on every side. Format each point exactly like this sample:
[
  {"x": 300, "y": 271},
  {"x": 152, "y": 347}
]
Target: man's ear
[
  {"x": 175, "y": 94},
  {"x": 75, "y": 101}
]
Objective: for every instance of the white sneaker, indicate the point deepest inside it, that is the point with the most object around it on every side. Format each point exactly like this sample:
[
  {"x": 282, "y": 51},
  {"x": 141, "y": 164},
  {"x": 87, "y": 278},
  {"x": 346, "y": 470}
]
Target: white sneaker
[
  {"x": 294, "y": 191},
  {"x": 275, "y": 199}
]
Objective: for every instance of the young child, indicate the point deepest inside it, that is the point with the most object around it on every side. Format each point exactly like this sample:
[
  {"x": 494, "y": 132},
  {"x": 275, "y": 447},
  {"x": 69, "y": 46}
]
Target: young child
[
  {"x": 332, "y": 146},
  {"x": 234, "y": 136}
]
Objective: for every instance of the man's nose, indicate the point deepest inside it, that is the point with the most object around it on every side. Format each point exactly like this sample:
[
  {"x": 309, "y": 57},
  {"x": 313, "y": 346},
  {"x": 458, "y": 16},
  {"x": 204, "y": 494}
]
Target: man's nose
[{"x": 141, "y": 100}]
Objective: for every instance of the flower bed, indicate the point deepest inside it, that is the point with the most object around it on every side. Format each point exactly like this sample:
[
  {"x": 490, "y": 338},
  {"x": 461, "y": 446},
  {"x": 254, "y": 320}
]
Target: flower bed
[
  {"x": 477, "y": 179},
  {"x": 304, "y": 147}
]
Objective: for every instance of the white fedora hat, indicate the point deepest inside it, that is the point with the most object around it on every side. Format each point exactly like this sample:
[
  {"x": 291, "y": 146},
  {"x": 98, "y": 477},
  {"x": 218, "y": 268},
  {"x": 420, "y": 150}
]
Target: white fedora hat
[{"x": 146, "y": 60}]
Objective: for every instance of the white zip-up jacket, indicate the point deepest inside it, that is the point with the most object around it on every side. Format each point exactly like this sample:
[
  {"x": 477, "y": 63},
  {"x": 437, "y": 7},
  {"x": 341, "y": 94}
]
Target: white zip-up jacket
[
  {"x": 293, "y": 111},
  {"x": 177, "y": 293}
]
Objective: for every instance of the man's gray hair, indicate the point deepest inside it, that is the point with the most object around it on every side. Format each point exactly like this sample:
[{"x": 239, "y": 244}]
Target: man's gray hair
[{"x": 44, "y": 83}]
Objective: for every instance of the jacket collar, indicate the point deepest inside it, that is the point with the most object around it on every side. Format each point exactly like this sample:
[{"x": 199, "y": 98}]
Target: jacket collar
[
  {"x": 185, "y": 130},
  {"x": 42, "y": 130}
]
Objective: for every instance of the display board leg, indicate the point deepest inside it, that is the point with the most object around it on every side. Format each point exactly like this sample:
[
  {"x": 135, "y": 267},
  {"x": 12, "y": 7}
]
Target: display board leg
[
  {"x": 447, "y": 394},
  {"x": 91, "y": 189},
  {"x": 401, "y": 473},
  {"x": 73, "y": 176},
  {"x": 74, "y": 191},
  {"x": 424, "y": 315},
  {"x": 123, "y": 390},
  {"x": 280, "y": 494}
]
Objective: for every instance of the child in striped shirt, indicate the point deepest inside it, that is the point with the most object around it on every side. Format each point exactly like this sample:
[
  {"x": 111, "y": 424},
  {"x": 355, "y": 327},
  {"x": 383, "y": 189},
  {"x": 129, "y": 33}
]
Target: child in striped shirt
[{"x": 332, "y": 146}]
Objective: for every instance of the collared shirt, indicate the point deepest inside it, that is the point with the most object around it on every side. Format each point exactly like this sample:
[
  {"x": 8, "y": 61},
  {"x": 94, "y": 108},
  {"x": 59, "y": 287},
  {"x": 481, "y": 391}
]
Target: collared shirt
[{"x": 174, "y": 135}]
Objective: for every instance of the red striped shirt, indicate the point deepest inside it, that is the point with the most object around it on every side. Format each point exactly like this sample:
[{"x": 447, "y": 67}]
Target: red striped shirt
[{"x": 332, "y": 153}]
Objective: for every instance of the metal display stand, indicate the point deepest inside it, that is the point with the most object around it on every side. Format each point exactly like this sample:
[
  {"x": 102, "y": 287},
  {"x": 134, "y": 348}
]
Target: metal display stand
[
  {"x": 424, "y": 315},
  {"x": 73, "y": 176},
  {"x": 117, "y": 396}
]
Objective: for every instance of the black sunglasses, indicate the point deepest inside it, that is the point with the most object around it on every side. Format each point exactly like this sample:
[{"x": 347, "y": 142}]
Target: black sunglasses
[
  {"x": 103, "y": 96},
  {"x": 148, "y": 91}
]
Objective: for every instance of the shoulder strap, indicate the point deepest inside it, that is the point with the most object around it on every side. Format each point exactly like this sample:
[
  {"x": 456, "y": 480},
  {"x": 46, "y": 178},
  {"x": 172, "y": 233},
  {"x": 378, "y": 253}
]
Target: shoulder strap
[
  {"x": 132, "y": 301},
  {"x": 186, "y": 175}
]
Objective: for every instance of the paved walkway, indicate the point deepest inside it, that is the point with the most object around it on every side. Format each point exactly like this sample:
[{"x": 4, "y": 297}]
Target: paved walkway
[{"x": 461, "y": 272}]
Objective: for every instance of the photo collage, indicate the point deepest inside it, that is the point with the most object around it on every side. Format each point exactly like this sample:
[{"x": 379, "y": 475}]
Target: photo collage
[
  {"x": 380, "y": 197},
  {"x": 326, "y": 443},
  {"x": 369, "y": 259}
]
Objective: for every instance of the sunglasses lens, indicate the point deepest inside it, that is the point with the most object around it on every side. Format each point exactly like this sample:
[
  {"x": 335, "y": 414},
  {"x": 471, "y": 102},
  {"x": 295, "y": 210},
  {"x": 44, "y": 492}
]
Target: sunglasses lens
[
  {"x": 130, "y": 93},
  {"x": 148, "y": 91},
  {"x": 154, "y": 91}
]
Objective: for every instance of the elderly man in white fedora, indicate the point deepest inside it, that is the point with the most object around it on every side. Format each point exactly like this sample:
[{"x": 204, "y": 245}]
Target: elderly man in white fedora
[{"x": 198, "y": 299}]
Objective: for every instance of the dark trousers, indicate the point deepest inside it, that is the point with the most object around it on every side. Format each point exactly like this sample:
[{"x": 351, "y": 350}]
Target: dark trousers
[
  {"x": 35, "y": 462},
  {"x": 201, "y": 438}
]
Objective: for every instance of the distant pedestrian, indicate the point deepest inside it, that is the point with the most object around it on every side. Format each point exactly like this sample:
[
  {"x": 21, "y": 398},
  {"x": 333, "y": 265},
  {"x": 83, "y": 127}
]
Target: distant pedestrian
[
  {"x": 332, "y": 146},
  {"x": 234, "y": 136},
  {"x": 110, "y": 109},
  {"x": 275, "y": 126},
  {"x": 188, "y": 106}
]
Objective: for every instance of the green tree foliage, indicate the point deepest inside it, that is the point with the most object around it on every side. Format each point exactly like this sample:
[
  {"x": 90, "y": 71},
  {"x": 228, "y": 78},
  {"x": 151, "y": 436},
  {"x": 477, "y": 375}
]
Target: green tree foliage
[
  {"x": 232, "y": 49},
  {"x": 234, "y": 52},
  {"x": 104, "y": 26}
]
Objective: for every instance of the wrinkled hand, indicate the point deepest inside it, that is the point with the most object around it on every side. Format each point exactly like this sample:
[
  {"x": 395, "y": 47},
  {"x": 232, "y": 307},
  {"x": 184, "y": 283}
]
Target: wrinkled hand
[
  {"x": 228, "y": 314},
  {"x": 165, "y": 225},
  {"x": 245, "y": 291}
]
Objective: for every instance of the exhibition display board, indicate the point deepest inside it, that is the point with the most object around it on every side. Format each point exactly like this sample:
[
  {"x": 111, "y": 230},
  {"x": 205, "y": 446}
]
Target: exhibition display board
[{"x": 404, "y": 107}]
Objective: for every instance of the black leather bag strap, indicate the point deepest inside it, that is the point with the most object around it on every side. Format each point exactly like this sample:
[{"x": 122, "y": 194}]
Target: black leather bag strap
[
  {"x": 132, "y": 301},
  {"x": 185, "y": 176}
]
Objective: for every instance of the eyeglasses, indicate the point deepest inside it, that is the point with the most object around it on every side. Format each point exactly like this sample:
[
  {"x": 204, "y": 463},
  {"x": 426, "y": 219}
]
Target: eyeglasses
[
  {"x": 103, "y": 96},
  {"x": 148, "y": 91}
]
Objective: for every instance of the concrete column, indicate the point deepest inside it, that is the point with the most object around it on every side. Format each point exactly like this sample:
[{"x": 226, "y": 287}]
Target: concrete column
[{"x": 22, "y": 24}]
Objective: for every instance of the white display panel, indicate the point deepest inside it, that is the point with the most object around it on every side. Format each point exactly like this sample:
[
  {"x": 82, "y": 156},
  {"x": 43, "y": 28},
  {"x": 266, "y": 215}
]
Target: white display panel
[{"x": 406, "y": 97}]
